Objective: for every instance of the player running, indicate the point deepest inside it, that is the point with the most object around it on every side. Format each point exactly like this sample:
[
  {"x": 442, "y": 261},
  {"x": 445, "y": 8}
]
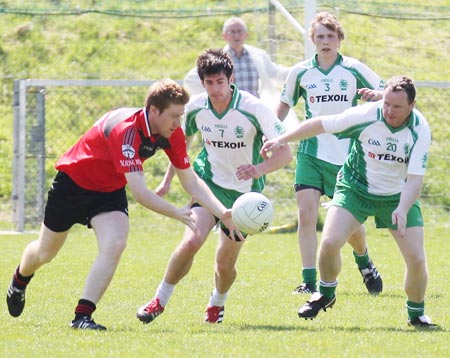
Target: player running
[
  {"x": 328, "y": 83},
  {"x": 382, "y": 177},
  {"x": 89, "y": 189},
  {"x": 232, "y": 124}
]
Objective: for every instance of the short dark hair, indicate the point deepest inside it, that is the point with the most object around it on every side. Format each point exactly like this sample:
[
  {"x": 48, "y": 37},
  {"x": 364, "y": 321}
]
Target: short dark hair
[
  {"x": 402, "y": 83},
  {"x": 214, "y": 61},
  {"x": 164, "y": 93}
]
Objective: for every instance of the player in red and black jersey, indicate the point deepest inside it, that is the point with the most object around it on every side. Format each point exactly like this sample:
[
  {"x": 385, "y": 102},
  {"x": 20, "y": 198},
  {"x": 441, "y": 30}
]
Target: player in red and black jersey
[{"x": 89, "y": 189}]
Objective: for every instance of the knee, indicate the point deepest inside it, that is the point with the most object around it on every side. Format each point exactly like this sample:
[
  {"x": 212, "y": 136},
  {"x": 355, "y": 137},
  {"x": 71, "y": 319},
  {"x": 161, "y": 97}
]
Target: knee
[
  {"x": 416, "y": 262},
  {"x": 328, "y": 246},
  {"x": 46, "y": 257},
  {"x": 224, "y": 269},
  {"x": 192, "y": 244},
  {"x": 307, "y": 216},
  {"x": 116, "y": 246}
]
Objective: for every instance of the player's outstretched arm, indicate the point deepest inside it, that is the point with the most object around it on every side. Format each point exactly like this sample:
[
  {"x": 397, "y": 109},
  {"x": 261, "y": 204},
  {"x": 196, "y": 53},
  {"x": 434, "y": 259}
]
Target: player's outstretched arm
[
  {"x": 370, "y": 95},
  {"x": 148, "y": 199},
  {"x": 279, "y": 158},
  {"x": 200, "y": 192},
  {"x": 304, "y": 130}
]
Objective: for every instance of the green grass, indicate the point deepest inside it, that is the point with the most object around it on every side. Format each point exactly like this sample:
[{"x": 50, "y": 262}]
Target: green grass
[{"x": 261, "y": 314}]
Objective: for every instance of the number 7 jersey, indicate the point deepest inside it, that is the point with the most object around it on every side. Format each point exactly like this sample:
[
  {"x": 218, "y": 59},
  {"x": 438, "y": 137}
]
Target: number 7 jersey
[{"x": 232, "y": 138}]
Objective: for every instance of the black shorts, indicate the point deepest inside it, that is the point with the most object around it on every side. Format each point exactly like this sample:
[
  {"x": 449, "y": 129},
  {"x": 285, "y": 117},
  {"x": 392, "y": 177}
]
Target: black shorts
[{"x": 69, "y": 204}]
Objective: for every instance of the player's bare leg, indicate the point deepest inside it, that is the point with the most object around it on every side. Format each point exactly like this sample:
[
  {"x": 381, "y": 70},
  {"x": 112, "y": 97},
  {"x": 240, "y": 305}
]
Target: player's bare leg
[
  {"x": 181, "y": 260},
  {"x": 339, "y": 224},
  {"x": 308, "y": 201},
  {"x": 179, "y": 264},
  {"x": 36, "y": 254},
  {"x": 224, "y": 277},
  {"x": 111, "y": 229}
]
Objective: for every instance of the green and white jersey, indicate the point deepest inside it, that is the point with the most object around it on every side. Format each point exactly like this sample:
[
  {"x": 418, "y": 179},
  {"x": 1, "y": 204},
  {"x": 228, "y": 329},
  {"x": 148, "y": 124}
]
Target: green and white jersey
[
  {"x": 381, "y": 156},
  {"x": 324, "y": 93},
  {"x": 232, "y": 138}
]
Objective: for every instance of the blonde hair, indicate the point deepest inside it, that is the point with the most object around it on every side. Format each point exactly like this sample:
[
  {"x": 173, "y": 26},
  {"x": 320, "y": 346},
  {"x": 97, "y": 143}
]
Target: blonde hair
[{"x": 329, "y": 21}]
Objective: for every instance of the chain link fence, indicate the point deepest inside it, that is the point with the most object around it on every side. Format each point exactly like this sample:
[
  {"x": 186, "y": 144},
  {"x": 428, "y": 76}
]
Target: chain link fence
[{"x": 51, "y": 115}]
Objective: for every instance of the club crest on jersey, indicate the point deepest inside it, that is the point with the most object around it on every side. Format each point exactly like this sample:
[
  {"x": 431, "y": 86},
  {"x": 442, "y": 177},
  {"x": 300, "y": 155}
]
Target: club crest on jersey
[
  {"x": 279, "y": 128},
  {"x": 128, "y": 151},
  {"x": 343, "y": 85},
  {"x": 239, "y": 131}
]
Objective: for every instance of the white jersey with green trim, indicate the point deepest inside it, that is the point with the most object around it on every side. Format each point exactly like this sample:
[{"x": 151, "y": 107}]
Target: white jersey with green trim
[
  {"x": 328, "y": 92},
  {"x": 381, "y": 156},
  {"x": 232, "y": 138}
]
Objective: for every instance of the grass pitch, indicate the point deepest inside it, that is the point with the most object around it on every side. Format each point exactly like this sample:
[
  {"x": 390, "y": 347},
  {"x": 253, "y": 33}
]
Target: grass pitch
[{"x": 261, "y": 313}]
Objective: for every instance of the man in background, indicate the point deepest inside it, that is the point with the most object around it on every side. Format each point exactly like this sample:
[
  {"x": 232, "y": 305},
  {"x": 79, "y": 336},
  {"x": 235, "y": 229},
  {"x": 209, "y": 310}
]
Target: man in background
[{"x": 254, "y": 70}]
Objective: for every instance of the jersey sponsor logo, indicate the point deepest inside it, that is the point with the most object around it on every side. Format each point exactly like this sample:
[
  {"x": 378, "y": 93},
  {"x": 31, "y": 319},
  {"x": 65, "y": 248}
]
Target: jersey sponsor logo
[
  {"x": 128, "y": 151},
  {"x": 374, "y": 142},
  {"x": 130, "y": 162},
  {"x": 224, "y": 144},
  {"x": 386, "y": 157},
  {"x": 329, "y": 98}
]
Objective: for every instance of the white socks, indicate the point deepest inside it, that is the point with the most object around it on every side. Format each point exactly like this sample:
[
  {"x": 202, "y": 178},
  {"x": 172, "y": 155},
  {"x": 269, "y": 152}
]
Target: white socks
[
  {"x": 164, "y": 292},
  {"x": 217, "y": 298}
]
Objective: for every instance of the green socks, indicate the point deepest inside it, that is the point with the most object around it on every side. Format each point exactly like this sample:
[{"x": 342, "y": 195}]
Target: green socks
[
  {"x": 327, "y": 289},
  {"x": 362, "y": 260},
  {"x": 310, "y": 276},
  {"x": 415, "y": 309}
]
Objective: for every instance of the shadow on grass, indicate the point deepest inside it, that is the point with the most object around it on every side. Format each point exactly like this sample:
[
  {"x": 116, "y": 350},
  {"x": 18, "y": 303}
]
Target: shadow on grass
[{"x": 321, "y": 328}]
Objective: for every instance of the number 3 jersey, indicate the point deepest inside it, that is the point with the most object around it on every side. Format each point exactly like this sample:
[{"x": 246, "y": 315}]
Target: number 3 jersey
[
  {"x": 232, "y": 138},
  {"x": 381, "y": 156},
  {"x": 324, "y": 93}
]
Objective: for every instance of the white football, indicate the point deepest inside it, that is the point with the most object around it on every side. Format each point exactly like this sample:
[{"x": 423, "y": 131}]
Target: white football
[{"x": 252, "y": 213}]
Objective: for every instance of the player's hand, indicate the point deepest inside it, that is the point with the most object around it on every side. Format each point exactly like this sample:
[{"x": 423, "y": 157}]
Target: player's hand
[
  {"x": 370, "y": 95},
  {"x": 268, "y": 147},
  {"x": 399, "y": 219},
  {"x": 247, "y": 171},
  {"x": 184, "y": 215},
  {"x": 235, "y": 234},
  {"x": 162, "y": 188}
]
